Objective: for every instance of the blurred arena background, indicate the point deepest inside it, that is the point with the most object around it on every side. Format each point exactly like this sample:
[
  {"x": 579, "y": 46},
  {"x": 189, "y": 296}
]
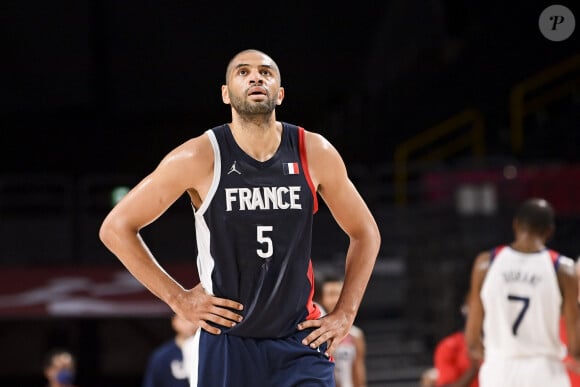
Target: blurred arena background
[{"x": 448, "y": 113}]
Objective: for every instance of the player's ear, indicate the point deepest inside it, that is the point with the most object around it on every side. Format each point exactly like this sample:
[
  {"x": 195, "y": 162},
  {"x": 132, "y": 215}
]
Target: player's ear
[
  {"x": 280, "y": 96},
  {"x": 225, "y": 95}
]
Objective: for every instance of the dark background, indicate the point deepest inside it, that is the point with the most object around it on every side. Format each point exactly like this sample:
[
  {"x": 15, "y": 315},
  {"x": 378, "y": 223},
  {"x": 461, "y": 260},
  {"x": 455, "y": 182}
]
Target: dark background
[
  {"x": 101, "y": 86},
  {"x": 95, "y": 93}
]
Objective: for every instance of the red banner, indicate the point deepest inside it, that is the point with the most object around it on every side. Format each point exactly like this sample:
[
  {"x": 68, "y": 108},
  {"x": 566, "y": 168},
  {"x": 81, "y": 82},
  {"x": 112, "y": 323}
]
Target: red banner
[{"x": 86, "y": 291}]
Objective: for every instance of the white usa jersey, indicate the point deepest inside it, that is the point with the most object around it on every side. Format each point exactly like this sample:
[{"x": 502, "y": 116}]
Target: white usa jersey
[
  {"x": 344, "y": 358},
  {"x": 522, "y": 305}
]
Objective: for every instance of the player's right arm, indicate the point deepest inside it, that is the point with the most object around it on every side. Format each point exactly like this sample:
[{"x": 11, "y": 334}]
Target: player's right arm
[
  {"x": 474, "y": 324},
  {"x": 187, "y": 168}
]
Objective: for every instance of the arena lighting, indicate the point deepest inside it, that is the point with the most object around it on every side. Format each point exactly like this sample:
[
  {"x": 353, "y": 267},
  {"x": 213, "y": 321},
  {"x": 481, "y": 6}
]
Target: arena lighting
[{"x": 117, "y": 194}]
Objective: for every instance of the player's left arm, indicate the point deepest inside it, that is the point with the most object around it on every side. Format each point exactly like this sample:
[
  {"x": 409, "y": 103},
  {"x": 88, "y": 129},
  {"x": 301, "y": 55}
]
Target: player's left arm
[
  {"x": 329, "y": 176},
  {"x": 568, "y": 282},
  {"x": 474, "y": 324}
]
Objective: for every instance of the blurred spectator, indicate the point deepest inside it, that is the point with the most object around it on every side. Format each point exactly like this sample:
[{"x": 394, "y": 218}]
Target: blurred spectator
[
  {"x": 349, "y": 357},
  {"x": 453, "y": 365},
  {"x": 429, "y": 377},
  {"x": 166, "y": 367},
  {"x": 59, "y": 368},
  {"x": 452, "y": 362}
]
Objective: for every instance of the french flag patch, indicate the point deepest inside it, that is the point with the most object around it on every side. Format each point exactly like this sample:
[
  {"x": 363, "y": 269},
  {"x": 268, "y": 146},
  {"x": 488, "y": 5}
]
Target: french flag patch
[{"x": 290, "y": 168}]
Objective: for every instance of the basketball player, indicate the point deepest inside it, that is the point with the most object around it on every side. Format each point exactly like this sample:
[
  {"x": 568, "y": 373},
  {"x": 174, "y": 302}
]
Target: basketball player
[
  {"x": 518, "y": 293},
  {"x": 451, "y": 358},
  {"x": 254, "y": 185},
  {"x": 166, "y": 367},
  {"x": 349, "y": 357}
]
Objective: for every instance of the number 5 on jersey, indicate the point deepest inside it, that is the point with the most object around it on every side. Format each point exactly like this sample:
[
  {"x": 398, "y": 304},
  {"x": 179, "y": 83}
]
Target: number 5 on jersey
[{"x": 267, "y": 246}]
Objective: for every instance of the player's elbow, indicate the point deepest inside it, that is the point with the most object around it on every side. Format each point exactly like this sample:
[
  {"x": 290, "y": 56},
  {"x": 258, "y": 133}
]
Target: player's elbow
[
  {"x": 474, "y": 348},
  {"x": 374, "y": 236},
  {"x": 106, "y": 232},
  {"x": 574, "y": 349},
  {"x": 110, "y": 230},
  {"x": 475, "y": 353},
  {"x": 377, "y": 237}
]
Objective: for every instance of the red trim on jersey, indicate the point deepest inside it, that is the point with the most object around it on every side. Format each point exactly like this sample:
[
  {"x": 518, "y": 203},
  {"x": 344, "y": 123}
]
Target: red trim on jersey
[
  {"x": 555, "y": 258},
  {"x": 303, "y": 159},
  {"x": 496, "y": 251},
  {"x": 313, "y": 309},
  {"x": 499, "y": 249}
]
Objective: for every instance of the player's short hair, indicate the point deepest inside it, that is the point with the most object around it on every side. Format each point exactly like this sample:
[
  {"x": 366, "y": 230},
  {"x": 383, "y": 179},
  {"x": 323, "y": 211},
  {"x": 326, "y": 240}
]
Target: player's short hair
[{"x": 536, "y": 214}]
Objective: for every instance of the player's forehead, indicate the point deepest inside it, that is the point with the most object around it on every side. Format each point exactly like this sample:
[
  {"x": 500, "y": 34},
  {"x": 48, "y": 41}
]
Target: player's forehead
[{"x": 252, "y": 58}]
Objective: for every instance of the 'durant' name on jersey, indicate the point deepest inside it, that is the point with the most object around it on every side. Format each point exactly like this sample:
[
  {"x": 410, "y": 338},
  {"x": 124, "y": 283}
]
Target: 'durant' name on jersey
[
  {"x": 519, "y": 276},
  {"x": 263, "y": 198}
]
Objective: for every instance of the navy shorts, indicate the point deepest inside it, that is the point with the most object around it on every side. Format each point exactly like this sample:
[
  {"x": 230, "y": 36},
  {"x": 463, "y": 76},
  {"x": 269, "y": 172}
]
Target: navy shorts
[{"x": 232, "y": 361}]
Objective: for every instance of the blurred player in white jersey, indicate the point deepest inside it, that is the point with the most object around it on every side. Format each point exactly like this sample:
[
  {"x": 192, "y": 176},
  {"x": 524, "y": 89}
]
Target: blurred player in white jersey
[
  {"x": 519, "y": 292},
  {"x": 349, "y": 357}
]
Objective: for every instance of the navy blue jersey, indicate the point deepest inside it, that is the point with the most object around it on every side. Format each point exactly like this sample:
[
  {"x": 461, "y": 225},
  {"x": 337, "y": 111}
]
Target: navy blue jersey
[{"x": 254, "y": 232}]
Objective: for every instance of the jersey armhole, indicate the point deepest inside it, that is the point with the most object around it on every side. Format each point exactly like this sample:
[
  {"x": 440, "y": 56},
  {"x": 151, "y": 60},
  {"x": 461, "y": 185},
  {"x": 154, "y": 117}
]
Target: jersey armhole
[
  {"x": 304, "y": 161},
  {"x": 555, "y": 256},
  {"x": 217, "y": 171},
  {"x": 494, "y": 252}
]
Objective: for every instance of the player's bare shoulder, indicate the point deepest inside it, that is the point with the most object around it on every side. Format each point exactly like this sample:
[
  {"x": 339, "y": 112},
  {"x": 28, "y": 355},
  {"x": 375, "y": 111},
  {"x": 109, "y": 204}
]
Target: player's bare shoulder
[
  {"x": 190, "y": 163},
  {"x": 324, "y": 161},
  {"x": 482, "y": 262},
  {"x": 567, "y": 266},
  {"x": 317, "y": 146},
  {"x": 197, "y": 150},
  {"x": 480, "y": 268}
]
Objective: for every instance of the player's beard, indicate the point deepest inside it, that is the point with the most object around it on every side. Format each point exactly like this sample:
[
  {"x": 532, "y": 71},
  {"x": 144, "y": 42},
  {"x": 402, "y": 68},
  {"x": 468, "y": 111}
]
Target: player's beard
[{"x": 251, "y": 108}]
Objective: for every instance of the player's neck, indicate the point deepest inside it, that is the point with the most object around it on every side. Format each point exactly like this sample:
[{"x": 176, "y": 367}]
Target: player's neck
[
  {"x": 253, "y": 122},
  {"x": 260, "y": 139},
  {"x": 528, "y": 244}
]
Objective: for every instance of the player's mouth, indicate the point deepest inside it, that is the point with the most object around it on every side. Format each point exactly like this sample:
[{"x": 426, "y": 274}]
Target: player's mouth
[{"x": 257, "y": 91}]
